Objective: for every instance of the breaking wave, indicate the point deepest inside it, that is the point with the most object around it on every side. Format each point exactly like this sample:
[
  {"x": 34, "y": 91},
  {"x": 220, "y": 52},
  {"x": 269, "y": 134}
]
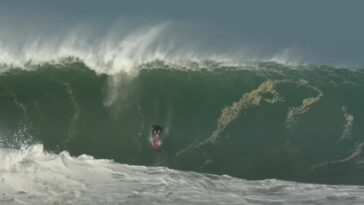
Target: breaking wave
[{"x": 257, "y": 121}]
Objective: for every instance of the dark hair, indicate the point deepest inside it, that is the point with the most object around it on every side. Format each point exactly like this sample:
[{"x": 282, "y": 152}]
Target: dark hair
[{"x": 157, "y": 128}]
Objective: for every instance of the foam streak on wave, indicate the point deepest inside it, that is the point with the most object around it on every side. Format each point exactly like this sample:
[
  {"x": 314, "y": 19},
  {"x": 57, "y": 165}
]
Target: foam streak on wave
[
  {"x": 349, "y": 121},
  {"x": 248, "y": 100},
  {"x": 295, "y": 112}
]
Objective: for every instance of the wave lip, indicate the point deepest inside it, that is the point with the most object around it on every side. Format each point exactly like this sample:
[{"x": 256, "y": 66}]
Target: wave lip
[
  {"x": 114, "y": 52},
  {"x": 122, "y": 48}
]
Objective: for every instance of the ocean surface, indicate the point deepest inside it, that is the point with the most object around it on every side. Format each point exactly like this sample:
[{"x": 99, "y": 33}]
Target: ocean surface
[{"x": 260, "y": 132}]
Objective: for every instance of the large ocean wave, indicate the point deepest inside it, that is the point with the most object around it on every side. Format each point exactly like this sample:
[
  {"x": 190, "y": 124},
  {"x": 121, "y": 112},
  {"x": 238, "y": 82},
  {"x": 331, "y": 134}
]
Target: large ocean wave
[
  {"x": 257, "y": 105},
  {"x": 253, "y": 121}
]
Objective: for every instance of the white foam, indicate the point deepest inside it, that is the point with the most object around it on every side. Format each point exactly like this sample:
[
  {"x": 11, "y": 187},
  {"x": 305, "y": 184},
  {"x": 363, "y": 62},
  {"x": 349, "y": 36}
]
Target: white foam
[{"x": 33, "y": 176}]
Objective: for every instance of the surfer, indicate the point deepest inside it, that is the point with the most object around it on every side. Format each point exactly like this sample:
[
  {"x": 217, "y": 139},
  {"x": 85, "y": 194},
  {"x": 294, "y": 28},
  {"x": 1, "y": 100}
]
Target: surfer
[{"x": 156, "y": 132}]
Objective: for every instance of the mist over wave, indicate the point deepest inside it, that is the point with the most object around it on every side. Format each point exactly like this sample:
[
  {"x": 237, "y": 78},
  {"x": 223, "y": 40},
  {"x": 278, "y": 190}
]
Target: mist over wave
[{"x": 125, "y": 45}]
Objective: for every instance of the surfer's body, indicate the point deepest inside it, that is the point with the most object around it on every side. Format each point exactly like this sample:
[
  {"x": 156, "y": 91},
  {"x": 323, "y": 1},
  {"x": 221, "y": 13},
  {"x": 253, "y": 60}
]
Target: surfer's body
[{"x": 156, "y": 139}]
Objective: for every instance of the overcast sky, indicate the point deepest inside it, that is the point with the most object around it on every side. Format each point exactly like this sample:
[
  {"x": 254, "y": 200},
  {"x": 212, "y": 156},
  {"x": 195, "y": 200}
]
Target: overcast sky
[{"x": 329, "y": 32}]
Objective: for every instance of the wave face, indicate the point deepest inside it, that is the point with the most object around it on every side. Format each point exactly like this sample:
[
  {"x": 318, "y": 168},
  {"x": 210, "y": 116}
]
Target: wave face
[{"x": 257, "y": 121}]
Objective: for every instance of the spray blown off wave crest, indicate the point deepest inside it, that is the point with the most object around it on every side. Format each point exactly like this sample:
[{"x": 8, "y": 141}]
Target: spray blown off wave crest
[
  {"x": 124, "y": 46},
  {"x": 116, "y": 51},
  {"x": 121, "y": 48}
]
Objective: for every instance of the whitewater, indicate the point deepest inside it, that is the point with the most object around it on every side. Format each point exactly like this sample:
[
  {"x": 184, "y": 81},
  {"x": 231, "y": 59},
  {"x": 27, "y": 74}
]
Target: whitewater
[{"x": 33, "y": 176}]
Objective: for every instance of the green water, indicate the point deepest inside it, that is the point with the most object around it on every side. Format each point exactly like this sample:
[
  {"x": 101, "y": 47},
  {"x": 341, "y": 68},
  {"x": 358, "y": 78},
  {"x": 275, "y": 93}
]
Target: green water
[{"x": 270, "y": 121}]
